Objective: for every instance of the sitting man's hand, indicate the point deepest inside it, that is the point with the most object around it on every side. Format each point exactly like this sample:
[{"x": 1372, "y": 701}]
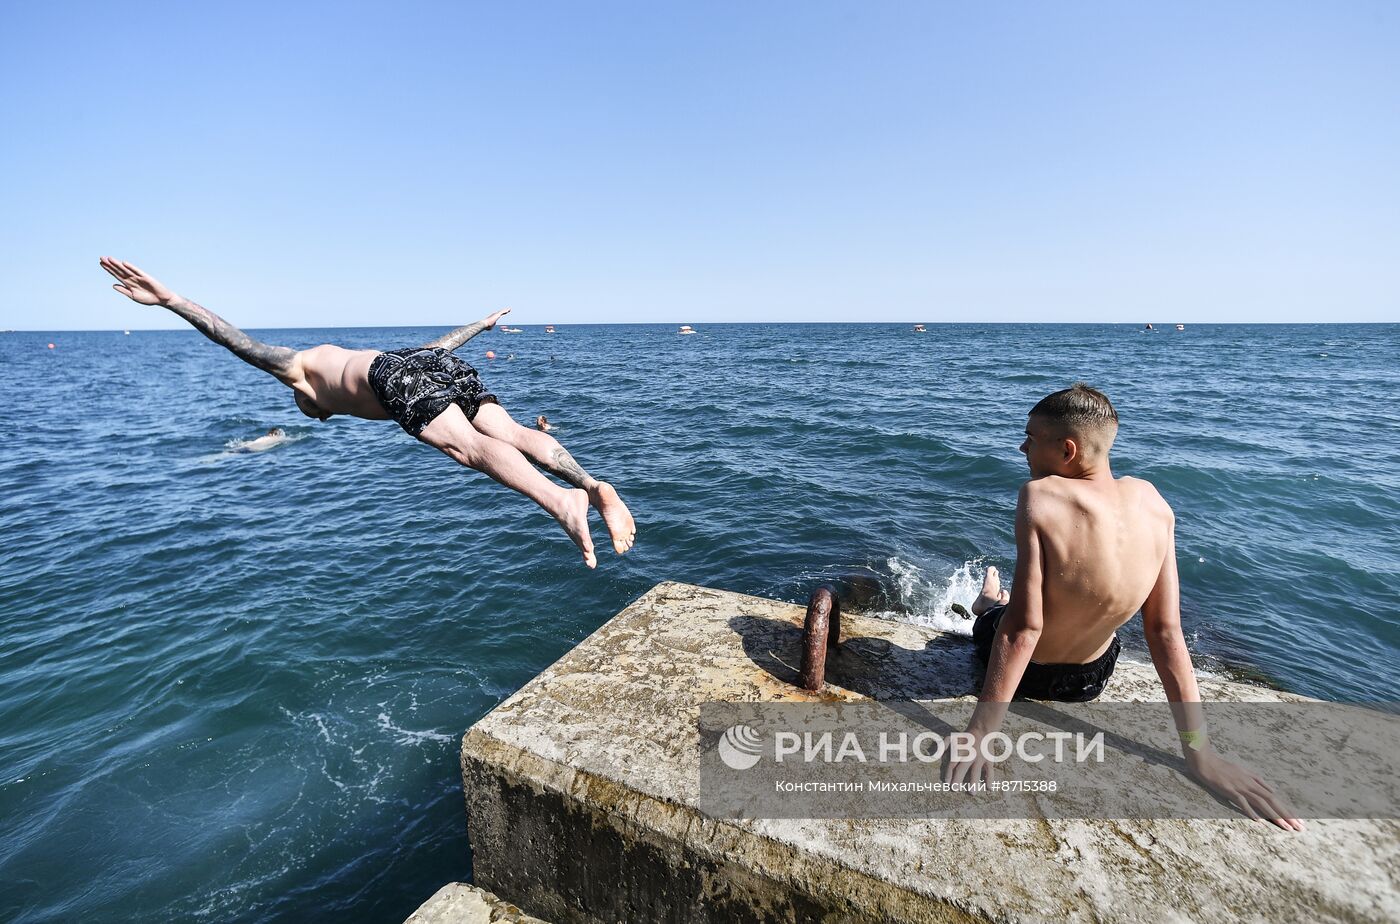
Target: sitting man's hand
[
  {"x": 973, "y": 770},
  {"x": 1246, "y": 790}
]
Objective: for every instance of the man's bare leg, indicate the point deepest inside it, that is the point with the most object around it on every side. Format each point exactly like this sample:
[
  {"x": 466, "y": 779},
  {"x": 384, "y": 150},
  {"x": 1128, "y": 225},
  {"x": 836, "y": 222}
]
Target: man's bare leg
[
  {"x": 992, "y": 594},
  {"x": 452, "y": 433},
  {"x": 545, "y": 451}
]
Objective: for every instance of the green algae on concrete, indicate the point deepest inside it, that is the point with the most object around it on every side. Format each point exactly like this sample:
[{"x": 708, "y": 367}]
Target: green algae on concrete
[{"x": 582, "y": 794}]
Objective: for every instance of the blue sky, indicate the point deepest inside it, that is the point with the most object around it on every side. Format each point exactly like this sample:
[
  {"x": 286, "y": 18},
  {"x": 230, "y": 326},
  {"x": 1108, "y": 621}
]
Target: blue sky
[{"x": 370, "y": 164}]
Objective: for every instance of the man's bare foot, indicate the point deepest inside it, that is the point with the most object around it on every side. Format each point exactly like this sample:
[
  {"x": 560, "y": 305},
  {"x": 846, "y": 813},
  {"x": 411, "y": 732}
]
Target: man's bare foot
[
  {"x": 573, "y": 516},
  {"x": 616, "y": 516},
  {"x": 992, "y": 594}
]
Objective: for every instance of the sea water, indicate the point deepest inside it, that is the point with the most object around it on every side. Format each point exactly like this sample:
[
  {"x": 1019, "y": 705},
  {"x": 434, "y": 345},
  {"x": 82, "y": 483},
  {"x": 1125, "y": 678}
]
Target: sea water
[{"x": 233, "y": 684}]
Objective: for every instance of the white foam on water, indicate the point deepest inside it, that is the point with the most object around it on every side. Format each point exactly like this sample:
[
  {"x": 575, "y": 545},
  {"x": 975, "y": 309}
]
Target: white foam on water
[
  {"x": 408, "y": 736},
  {"x": 320, "y": 725}
]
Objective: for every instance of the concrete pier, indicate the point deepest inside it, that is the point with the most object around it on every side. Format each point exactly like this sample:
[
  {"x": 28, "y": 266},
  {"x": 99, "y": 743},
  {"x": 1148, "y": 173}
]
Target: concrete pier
[
  {"x": 582, "y": 792},
  {"x": 459, "y": 903}
]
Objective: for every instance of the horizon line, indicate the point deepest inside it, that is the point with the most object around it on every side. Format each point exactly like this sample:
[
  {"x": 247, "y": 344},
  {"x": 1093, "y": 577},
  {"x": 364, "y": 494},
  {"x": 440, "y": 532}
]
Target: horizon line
[{"x": 1135, "y": 324}]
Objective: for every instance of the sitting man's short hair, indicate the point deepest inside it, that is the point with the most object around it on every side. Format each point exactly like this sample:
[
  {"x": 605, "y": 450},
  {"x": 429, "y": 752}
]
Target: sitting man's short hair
[{"x": 1082, "y": 412}]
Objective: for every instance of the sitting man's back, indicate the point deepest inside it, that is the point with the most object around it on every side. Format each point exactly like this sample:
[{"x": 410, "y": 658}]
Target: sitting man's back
[
  {"x": 1102, "y": 543},
  {"x": 1090, "y": 549}
]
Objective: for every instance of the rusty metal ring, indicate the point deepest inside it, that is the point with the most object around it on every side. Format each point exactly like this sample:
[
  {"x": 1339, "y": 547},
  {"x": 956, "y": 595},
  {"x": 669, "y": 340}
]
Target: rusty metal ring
[{"x": 822, "y": 630}]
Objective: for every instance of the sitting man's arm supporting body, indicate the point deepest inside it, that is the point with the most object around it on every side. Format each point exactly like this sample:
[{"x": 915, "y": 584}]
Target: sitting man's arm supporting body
[
  {"x": 1161, "y": 618},
  {"x": 1015, "y": 642}
]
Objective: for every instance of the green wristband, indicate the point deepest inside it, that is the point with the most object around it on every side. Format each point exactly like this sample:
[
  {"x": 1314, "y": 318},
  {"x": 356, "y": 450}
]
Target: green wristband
[{"x": 1195, "y": 740}]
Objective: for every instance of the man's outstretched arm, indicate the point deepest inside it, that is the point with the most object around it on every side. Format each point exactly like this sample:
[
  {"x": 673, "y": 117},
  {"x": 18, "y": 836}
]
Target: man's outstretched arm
[
  {"x": 145, "y": 289},
  {"x": 461, "y": 335},
  {"x": 1161, "y": 619}
]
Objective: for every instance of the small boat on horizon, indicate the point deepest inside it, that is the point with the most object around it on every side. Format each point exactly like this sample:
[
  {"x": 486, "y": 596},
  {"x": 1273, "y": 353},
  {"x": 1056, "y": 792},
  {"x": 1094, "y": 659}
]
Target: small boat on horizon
[
  {"x": 1181, "y": 327},
  {"x": 549, "y": 328},
  {"x": 920, "y": 329},
  {"x": 1149, "y": 327},
  {"x": 126, "y": 333},
  {"x": 687, "y": 329}
]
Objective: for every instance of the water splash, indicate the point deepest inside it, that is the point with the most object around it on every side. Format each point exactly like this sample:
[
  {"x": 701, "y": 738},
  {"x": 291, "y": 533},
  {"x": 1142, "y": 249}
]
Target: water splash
[{"x": 926, "y": 599}]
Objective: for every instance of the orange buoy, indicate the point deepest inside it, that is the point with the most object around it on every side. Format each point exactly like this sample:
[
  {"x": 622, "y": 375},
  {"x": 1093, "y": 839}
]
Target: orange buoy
[
  {"x": 50, "y": 346},
  {"x": 490, "y": 354}
]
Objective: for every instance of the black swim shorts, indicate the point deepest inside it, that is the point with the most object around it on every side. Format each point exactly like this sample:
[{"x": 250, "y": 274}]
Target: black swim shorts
[
  {"x": 1066, "y": 683},
  {"x": 416, "y": 385}
]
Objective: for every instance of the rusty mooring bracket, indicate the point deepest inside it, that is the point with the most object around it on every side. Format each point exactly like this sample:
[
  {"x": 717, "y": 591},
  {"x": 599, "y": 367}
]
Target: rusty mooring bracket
[{"x": 821, "y": 631}]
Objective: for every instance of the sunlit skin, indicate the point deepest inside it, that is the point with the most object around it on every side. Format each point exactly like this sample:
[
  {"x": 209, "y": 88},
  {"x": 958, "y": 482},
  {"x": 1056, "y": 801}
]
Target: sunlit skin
[
  {"x": 328, "y": 380},
  {"x": 1092, "y": 551}
]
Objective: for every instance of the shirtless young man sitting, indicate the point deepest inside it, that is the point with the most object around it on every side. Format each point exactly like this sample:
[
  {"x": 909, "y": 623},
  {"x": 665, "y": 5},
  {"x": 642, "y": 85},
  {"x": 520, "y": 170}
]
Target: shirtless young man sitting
[
  {"x": 1091, "y": 550},
  {"x": 433, "y": 395}
]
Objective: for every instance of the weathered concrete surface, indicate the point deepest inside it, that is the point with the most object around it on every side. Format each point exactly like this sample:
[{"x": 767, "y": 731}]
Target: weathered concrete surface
[
  {"x": 459, "y": 903},
  {"x": 581, "y": 792}
]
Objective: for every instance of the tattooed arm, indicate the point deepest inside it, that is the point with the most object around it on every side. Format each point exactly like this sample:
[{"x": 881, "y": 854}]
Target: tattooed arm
[
  {"x": 462, "y": 334},
  {"x": 145, "y": 289}
]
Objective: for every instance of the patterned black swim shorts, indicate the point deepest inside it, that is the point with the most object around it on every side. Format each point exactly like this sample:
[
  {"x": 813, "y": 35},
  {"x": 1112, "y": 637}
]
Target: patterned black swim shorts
[{"x": 418, "y": 384}]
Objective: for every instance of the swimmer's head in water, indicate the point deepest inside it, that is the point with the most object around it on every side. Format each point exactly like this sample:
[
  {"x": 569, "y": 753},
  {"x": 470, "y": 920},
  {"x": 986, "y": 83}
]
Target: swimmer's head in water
[
  {"x": 1069, "y": 429},
  {"x": 276, "y": 431},
  {"x": 311, "y": 408}
]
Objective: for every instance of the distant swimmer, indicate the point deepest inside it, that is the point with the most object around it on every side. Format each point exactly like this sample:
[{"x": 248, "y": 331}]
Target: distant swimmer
[
  {"x": 1091, "y": 551},
  {"x": 543, "y": 425},
  {"x": 269, "y": 439},
  {"x": 432, "y": 394}
]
